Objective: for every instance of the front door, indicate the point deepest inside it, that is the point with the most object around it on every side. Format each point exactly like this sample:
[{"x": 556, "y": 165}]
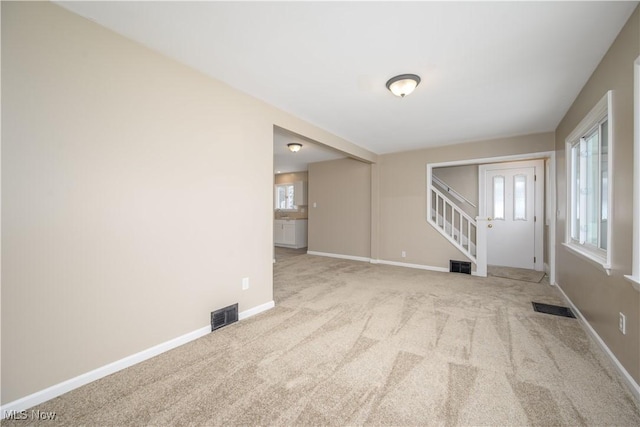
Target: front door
[{"x": 513, "y": 203}]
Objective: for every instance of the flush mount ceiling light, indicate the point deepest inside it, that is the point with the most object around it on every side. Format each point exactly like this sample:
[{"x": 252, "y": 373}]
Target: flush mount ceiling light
[
  {"x": 294, "y": 147},
  {"x": 403, "y": 84}
]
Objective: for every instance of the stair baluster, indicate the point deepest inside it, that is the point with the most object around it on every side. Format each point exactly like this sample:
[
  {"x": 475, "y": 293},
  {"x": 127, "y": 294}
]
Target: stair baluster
[{"x": 443, "y": 217}]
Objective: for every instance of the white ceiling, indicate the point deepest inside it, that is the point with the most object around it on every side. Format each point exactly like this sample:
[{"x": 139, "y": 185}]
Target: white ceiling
[{"x": 489, "y": 69}]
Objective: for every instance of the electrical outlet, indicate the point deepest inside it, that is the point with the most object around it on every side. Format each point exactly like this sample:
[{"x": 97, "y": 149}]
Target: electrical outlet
[
  {"x": 404, "y": 254},
  {"x": 622, "y": 323},
  {"x": 245, "y": 283}
]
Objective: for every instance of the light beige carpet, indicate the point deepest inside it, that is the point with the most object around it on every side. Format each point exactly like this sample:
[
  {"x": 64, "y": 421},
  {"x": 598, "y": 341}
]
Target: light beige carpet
[
  {"x": 522, "y": 274},
  {"x": 281, "y": 253},
  {"x": 350, "y": 343}
]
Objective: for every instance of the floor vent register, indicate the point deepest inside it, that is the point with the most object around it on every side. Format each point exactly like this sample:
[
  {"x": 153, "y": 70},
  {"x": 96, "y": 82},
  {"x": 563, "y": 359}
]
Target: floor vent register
[
  {"x": 224, "y": 317},
  {"x": 556, "y": 310},
  {"x": 459, "y": 267}
]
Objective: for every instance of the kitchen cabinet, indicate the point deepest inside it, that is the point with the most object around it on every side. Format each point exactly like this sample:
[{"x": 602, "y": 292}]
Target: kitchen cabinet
[
  {"x": 290, "y": 233},
  {"x": 300, "y": 193}
]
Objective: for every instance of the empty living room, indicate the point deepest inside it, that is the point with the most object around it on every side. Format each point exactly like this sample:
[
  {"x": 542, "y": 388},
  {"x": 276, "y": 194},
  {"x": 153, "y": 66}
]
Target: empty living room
[{"x": 452, "y": 189}]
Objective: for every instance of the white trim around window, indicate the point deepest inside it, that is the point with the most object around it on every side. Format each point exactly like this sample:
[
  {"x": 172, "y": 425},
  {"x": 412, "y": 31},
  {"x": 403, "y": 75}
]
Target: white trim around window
[
  {"x": 634, "y": 278},
  {"x": 588, "y": 234}
]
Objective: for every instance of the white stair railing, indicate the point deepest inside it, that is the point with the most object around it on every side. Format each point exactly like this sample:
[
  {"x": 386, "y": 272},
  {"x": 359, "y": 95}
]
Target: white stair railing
[
  {"x": 454, "y": 224},
  {"x": 443, "y": 185}
]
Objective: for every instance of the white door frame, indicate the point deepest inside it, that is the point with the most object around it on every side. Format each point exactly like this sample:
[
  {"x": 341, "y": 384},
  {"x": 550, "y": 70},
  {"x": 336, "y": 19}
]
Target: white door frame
[
  {"x": 550, "y": 194},
  {"x": 539, "y": 171}
]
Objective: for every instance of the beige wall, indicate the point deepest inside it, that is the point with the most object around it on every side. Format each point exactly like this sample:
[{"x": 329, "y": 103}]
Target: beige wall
[
  {"x": 464, "y": 180},
  {"x": 340, "y": 222},
  {"x": 136, "y": 193},
  {"x": 290, "y": 178},
  {"x": 600, "y": 297},
  {"x": 402, "y": 199}
]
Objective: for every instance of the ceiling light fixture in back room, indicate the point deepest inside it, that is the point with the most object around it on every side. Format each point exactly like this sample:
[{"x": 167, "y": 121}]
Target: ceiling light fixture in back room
[
  {"x": 294, "y": 147},
  {"x": 403, "y": 84}
]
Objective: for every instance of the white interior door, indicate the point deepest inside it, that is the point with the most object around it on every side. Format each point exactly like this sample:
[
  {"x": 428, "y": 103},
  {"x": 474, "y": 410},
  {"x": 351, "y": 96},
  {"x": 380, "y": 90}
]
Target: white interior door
[{"x": 513, "y": 203}]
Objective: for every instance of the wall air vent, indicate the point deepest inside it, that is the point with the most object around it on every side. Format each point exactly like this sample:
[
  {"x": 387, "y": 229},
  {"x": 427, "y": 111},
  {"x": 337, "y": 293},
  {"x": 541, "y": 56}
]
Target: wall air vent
[
  {"x": 224, "y": 316},
  {"x": 459, "y": 267}
]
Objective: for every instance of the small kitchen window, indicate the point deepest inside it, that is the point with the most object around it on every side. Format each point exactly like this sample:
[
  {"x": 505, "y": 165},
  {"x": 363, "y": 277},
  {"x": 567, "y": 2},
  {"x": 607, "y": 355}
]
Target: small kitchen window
[{"x": 285, "y": 197}]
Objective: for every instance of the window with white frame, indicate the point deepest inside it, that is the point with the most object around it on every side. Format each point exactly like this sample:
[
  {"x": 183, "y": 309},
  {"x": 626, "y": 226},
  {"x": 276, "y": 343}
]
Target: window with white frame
[
  {"x": 588, "y": 151},
  {"x": 635, "y": 257},
  {"x": 285, "y": 197}
]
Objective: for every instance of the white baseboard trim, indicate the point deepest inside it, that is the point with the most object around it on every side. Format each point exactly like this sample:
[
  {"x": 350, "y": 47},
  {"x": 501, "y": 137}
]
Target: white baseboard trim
[
  {"x": 330, "y": 255},
  {"x": 73, "y": 383},
  {"x": 256, "y": 310},
  {"x": 631, "y": 383},
  {"x": 408, "y": 265},
  {"x": 380, "y": 261}
]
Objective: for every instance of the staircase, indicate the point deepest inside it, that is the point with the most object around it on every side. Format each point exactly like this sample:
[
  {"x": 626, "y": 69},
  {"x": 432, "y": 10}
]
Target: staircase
[
  {"x": 453, "y": 223},
  {"x": 467, "y": 234}
]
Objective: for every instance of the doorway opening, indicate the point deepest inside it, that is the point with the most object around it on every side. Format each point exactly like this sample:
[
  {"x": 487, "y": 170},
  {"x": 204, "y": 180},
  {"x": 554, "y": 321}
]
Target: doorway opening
[
  {"x": 291, "y": 187},
  {"x": 543, "y": 185}
]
